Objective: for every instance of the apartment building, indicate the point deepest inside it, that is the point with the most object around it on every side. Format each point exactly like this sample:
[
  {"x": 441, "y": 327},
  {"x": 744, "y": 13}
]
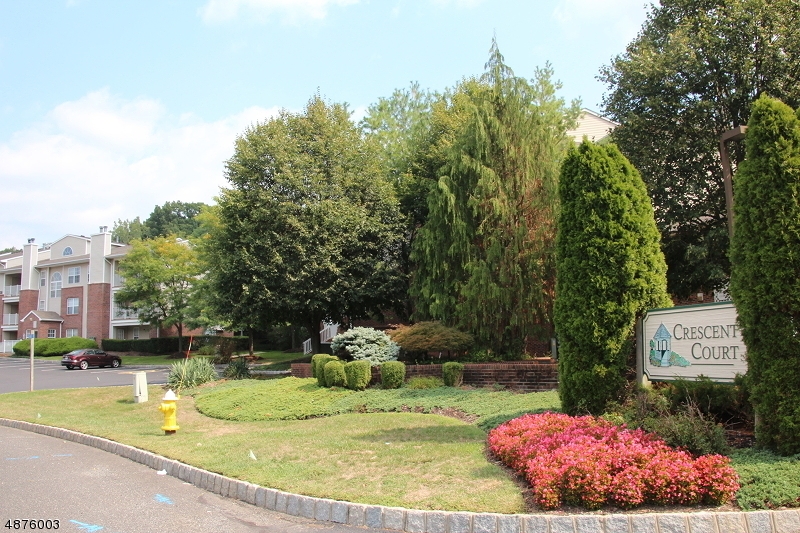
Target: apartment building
[{"x": 66, "y": 289}]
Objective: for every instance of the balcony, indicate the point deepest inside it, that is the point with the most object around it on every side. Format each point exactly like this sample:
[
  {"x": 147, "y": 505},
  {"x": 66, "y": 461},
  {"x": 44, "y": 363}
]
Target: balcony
[
  {"x": 119, "y": 281},
  {"x": 11, "y": 291},
  {"x": 11, "y": 319},
  {"x": 125, "y": 314}
]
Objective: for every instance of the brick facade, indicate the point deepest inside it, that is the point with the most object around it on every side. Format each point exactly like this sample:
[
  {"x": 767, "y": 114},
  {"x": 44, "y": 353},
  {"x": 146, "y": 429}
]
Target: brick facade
[
  {"x": 28, "y": 301},
  {"x": 98, "y": 315},
  {"x": 524, "y": 376},
  {"x": 76, "y": 320}
]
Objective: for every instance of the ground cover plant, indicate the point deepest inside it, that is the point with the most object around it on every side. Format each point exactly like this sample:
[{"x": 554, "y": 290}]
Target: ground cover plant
[
  {"x": 299, "y": 398},
  {"x": 590, "y": 462}
]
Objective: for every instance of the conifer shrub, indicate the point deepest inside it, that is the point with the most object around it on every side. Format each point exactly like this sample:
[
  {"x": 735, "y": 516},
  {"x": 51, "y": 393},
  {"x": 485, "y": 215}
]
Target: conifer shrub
[
  {"x": 765, "y": 266},
  {"x": 318, "y": 362},
  {"x": 365, "y": 344},
  {"x": 358, "y": 374},
  {"x": 453, "y": 374},
  {"x": 334, "y": 374},
  {"x": 610, "y": 269},
  {"x": 393, "y": 374}
]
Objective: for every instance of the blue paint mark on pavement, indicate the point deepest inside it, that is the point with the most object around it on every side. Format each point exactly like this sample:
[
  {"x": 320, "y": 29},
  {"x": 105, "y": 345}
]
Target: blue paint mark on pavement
[
  {"x": 62, "y": 455},
  {"x": 87, "y": 527},
  {"x": 22, "y": 458},
  {"x": 162, "y": 499}
]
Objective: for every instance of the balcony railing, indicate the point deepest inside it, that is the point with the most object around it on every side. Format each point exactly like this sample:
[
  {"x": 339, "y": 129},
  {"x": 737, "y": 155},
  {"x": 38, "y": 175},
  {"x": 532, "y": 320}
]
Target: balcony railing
[
  {"x": 11, "y": 319},
  {"x": 7, "y": 346},
  {"x": 11, "y": 290},
  {"x": 125, "y": 314}
]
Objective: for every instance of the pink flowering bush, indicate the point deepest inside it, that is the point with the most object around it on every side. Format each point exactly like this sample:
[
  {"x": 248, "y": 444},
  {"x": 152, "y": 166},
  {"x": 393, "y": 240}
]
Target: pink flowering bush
[{"x": 591, "y": 462}]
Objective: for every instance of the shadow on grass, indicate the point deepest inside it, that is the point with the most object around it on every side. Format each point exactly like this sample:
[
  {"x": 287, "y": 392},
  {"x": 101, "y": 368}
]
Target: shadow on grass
[{"x": 488, "y": 423}]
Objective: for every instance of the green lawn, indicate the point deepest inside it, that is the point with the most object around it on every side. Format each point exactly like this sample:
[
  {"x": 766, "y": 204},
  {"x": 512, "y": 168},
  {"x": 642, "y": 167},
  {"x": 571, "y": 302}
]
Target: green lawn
[{"x": 399, "y": 459}]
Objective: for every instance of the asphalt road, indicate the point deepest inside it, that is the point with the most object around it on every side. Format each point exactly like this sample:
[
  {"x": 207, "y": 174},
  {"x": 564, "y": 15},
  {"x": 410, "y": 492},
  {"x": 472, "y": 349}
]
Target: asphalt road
[
  {"x": 88, "y": 490},
  {"x": 49, "y": 374}
]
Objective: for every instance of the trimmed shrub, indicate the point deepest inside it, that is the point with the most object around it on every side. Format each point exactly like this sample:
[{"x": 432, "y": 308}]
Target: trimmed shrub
[
  {"x": 591, "y": 462},
  {"x": 52, "y": 347},
  {"x": 453, "y": 374},
  {"x": 359, "y": 374},
  {"x": 334, "y": 374},
  {"x": 424, "y": 382},
  {"x": 188, "y": 373},
  {"x": 610, "y": 268},
  {"x": 365, "y": 344},
  {"x": 393, "y": 374},
  {"x": 237, "y": 369},
  {"x": 318, "y": 362},
  {"x": 764, "y": 269},
  {"x": 431, "y": 337}
]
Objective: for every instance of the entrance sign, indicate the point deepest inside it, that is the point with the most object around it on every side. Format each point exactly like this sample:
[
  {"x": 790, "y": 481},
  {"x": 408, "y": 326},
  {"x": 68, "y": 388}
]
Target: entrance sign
[{"x": 693, "y": 340}]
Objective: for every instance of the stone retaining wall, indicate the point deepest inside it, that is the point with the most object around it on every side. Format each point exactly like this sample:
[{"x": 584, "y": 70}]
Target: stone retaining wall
[
  {"x": 414, "y": 521},
  {"x": 524, "y": 376}
]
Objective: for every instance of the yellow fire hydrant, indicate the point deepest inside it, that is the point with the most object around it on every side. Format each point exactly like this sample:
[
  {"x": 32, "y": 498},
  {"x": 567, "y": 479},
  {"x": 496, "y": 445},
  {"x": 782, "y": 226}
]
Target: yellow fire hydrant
[{"x": 170, "y": 410}]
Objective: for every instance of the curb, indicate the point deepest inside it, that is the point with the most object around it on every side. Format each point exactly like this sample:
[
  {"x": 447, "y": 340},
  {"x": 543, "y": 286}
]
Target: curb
[{"x": 416, "y": 521}]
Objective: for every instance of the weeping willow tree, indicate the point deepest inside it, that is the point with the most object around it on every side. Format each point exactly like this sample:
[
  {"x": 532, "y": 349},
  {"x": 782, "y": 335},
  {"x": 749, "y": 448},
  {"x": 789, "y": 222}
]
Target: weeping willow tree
[{"x": 485, "y": 260}]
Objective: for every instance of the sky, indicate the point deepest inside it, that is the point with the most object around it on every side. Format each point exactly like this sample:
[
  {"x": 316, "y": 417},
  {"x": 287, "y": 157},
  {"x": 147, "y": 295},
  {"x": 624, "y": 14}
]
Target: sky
[{"x": 109, "y": 108}]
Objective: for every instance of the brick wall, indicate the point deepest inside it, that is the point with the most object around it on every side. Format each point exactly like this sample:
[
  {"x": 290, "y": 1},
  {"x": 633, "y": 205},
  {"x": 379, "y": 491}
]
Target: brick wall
[
  {"x": 28, "y": 301},
  {"x": 98, "y": 311},
  {"x": 524, "y": 376},
  {"x": 71, "y": 321}
]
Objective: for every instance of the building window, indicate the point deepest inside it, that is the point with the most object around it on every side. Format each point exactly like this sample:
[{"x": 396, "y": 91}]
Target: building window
[
  {"x": 55, "y": 285},
  {"x": 42, "y": 279},
  {"x": 74, "y": 275},
  {"x": 119, "y": 334},
  {"x": 72, "y": 306},
  {"x": 72, "y": 332},
  {"x": 41, "y": 305},
  {"x": 67, "y": 251},
  {"x": 135, "y": 334},
  {"x": 51, "y": 334}
]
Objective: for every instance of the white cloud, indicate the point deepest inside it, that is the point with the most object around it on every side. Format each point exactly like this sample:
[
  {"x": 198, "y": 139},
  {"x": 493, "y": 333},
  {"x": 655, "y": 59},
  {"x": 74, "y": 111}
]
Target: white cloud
[
  {"x": 292, "y": 10},
  {"x": 101, "y": 158},
  {"x": 617, "y": 19}
]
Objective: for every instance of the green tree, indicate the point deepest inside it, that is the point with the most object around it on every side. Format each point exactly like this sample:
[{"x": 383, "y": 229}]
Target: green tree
[
  {"x": 125, "y": 231},
  {"x": 691, "y": 74},
  {"x": 159, "y": 275},
  {"x": 174, "y": 218},
  {"x": 309, "y": 229},
  {"x": 401, "y": 126},
  {"x": 610, "y": 270},
  {"x": 485, "y": 254},
  {"x": 10, "y": 250},
  {"x": 766, "y": 270}
]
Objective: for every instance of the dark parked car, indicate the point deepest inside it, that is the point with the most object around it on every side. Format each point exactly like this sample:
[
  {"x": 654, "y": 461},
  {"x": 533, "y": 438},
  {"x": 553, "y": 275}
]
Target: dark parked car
[{"x": 89, "y": 357}]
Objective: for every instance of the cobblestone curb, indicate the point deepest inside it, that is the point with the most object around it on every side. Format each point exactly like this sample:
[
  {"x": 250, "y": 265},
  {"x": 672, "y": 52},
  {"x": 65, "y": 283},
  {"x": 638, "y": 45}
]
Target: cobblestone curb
[{"x": 415, "y": 521}]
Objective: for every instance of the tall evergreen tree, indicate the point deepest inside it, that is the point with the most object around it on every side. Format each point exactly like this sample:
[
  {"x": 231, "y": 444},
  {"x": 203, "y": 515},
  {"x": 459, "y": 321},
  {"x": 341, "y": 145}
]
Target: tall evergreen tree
[
  {"x": 610, "y": 269},
  {"x": 765, "y": 278},
  {"x": 485, "y": 254}
]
